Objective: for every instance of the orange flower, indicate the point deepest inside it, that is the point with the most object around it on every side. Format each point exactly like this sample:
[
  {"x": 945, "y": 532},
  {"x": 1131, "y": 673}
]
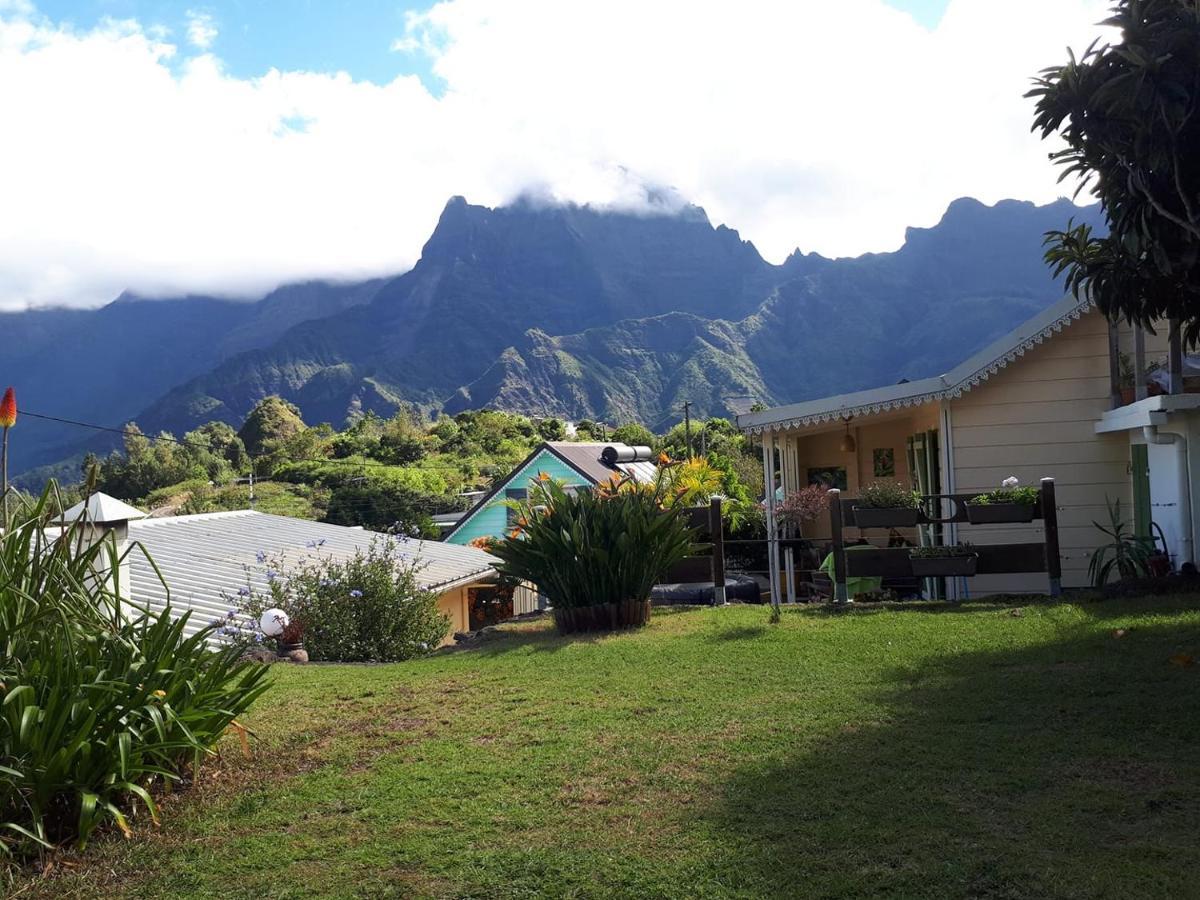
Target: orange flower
[
  {"x": 663, "y": 459},
  {"x": 8, "y": 409},
  {"x": 543, "y": 476},
  {"x": 514, "y": 534},
  {"x": 522, "y": 521}
]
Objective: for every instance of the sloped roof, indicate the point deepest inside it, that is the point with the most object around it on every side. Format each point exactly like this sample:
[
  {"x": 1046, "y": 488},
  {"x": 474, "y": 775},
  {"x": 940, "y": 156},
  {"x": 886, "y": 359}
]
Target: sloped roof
[
  {"x": 974, "y": 371},
  {"x": 204, "y": 559},
  {"x": 583, "y": 457},
  {"x": 101, "y": 509}
]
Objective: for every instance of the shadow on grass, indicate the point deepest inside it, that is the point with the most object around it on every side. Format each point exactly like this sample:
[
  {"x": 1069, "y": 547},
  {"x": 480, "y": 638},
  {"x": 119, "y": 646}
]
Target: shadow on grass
[{"x": 1065, "y": 769}]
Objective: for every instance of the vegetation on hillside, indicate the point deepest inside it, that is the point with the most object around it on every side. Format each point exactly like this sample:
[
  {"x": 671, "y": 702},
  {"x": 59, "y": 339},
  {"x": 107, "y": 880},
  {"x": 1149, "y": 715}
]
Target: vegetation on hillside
[{"x": 390, "y": 474}]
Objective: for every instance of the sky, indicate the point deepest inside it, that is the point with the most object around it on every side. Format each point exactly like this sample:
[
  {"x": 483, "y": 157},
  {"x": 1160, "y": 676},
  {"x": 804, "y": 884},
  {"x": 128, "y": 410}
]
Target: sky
[{"x": 171, "y": 146}]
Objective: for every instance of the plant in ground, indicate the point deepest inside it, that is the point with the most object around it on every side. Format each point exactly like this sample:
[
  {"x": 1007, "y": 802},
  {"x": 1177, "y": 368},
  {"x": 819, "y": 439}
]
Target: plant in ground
[
  {"x": 103, "y": 703},
  {"x": 591, "y": 548},
  {"x": 1008, "y": 492},
  {"x": 887, "y": 495},
  {"x": 1126, "y": 553},
  {"x": 370, "y": 607}
]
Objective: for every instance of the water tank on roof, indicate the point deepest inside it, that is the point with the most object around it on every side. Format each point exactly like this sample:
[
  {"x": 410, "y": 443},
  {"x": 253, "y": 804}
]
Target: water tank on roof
[{"x": 611, "y": 456}]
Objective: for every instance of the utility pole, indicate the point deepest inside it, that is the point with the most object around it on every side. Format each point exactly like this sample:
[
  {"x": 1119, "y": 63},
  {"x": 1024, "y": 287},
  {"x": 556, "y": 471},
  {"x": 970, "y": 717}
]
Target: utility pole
[{"x": 687, "y": 426}]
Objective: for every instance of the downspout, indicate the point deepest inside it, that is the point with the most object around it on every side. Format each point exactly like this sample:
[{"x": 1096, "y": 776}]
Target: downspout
[{"x": 1154, "y": 436}]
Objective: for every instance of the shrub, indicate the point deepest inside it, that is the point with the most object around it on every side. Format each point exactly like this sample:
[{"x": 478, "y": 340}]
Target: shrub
[
  {"x": 887, "y": 495},
  {"x": 103, "y": 702},
  {"x": 804, "y": 505},
  {"x": 590, "y": 548},
  {"x": 370, "y": 607}
]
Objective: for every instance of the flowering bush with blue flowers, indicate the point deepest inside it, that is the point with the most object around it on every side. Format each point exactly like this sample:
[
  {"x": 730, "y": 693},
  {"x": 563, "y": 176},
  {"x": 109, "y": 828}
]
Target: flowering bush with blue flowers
[{"x": 370, "y": 607}]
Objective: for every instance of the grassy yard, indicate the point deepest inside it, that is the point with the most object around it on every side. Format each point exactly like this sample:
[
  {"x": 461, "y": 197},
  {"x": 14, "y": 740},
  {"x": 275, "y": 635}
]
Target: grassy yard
[{"x": 985, "y": 751}]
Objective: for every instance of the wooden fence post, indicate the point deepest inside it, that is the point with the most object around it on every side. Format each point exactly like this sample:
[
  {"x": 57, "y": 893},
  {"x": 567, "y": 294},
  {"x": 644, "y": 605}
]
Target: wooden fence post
[
  {"x": 716, "y": 531},
  {"x": 840, "y": 594},
  {"x": 1050, "y": 521}
]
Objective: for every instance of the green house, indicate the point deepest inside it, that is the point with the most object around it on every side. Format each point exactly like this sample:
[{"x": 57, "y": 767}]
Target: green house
[{"x": 575, "y": 465}]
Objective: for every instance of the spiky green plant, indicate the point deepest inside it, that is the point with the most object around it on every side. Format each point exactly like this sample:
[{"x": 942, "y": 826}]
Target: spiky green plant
[
  {"x": 1126, "y": 553},
  {"x": 102, "y": 701},
  {"x": 593, "y": 547}
]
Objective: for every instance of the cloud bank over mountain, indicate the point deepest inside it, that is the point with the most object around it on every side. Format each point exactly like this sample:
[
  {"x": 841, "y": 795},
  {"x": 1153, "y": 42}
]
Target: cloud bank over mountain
[{"x": 132, "y": 159}]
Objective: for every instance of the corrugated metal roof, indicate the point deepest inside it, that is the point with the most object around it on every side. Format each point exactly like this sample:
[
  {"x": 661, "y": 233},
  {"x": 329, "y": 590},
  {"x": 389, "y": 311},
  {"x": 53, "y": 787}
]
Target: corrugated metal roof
[
  {"x": 958, "y": 381},
  {"x": 205, "y": 558}
]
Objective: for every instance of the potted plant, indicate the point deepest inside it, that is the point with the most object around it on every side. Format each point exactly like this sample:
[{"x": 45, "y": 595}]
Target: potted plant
[
  {"x": 290, "y": 643},
  {"x": 951, "y": 561},
  {"x": 1009, "y": 503},
  {"x": 886, "y": 504}
]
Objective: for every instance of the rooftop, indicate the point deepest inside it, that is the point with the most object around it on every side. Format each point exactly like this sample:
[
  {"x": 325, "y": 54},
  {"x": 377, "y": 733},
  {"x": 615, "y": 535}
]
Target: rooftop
[{"x": 204, "y": 559}]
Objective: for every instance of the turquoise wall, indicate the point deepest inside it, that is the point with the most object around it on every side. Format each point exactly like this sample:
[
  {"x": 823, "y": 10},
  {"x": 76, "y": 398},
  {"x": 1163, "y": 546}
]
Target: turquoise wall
[{"x": 492, "y": 519}]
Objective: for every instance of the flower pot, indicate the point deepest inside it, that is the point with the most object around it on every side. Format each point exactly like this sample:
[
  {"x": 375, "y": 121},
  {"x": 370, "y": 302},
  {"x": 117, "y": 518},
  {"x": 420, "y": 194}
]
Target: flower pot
[
  {"x": 292, "y": 651},
  {"x": 603, "y": 616},
  {"x": 1128, "y": 395},
  {"x": 997, "y": 513},
  {"x": 943, "y": 566},
  {"x": 894, "y": 517}
]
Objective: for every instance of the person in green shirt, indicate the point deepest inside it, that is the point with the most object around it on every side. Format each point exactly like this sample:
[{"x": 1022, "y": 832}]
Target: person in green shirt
[{"x": 854, "y": 585}]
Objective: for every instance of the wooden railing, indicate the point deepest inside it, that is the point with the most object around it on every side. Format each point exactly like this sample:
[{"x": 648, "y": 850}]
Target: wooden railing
[{"x": 994, "y": 559}]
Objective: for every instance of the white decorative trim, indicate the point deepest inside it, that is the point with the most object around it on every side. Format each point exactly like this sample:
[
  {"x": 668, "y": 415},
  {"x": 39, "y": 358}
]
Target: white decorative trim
[{"x": 952, "y": 392}]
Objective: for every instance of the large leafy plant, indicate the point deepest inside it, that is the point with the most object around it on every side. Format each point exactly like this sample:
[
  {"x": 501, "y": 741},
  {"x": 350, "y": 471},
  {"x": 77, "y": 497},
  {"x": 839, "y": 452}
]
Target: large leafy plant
[
  {"x": 1126, "y": 114},
  {"x": 594, "y": 547},
  {"x": 102, "y": 702}
]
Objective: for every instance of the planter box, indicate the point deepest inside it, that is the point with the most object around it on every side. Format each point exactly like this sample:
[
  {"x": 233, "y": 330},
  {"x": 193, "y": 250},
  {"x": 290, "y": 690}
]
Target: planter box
[
  {"x": 997, "y": 513},
  {"x": 947, "y": 566},
  {"x": 901, "y": 517},
  {"x": 603, "y": 617}
]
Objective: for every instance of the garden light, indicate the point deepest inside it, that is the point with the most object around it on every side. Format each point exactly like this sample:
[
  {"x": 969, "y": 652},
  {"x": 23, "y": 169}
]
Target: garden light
[{"x": 272, "y": 622}]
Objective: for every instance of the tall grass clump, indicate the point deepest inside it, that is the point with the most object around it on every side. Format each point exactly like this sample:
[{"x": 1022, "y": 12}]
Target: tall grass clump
[
  {"x": 102, "y": 703},
  {"x": 596, "y": 554}
]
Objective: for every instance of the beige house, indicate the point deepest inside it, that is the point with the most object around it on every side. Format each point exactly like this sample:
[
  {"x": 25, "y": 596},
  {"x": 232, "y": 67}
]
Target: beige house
[{"x": 1044, "y": 401}]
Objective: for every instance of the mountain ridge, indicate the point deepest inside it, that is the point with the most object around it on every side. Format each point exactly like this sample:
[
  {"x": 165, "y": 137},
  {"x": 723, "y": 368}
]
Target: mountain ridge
[{"x": 575, "y": 311}]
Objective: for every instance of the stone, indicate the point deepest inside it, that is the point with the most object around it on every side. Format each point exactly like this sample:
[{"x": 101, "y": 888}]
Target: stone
[{"x": 296, "y": 656}]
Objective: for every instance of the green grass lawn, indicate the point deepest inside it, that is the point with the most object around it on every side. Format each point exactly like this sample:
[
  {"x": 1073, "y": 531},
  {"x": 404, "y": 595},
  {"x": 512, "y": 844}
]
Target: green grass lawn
[{"x": 916, "y": 751}]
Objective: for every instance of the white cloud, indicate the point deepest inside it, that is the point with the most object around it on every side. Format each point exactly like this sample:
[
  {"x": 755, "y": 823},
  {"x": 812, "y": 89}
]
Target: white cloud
[
  {"x": 830, "y": 126},
  {"x": 201, "y": 29}
]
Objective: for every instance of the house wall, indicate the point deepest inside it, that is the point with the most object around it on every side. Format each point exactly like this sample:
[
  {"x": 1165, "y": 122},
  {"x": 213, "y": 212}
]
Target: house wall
[
  {"x": 823, "y": 450},
  {"x": 492, "y": 519},
  {"x": 1036, "y": 418},
  {"x": 453, "y": 603}
]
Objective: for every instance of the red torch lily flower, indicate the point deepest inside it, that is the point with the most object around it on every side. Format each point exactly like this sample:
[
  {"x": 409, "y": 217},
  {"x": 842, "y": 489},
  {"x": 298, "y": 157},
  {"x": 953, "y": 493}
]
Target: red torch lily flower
[{"x": 8, "y": 409}]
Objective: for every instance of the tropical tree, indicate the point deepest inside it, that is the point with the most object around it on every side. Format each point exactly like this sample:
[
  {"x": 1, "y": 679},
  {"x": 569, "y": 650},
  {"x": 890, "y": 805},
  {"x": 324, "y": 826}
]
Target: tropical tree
[
  {"x": 271, "y": 422},
  {"x": 1127, "y": 114}
]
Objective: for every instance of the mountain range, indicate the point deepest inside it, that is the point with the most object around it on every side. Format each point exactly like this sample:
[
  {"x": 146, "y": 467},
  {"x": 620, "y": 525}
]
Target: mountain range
[{"x": 545, "y": 309}]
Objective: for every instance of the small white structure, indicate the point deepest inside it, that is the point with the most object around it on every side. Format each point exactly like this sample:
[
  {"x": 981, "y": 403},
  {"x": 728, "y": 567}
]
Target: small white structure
[{"x": 103, "y": 518}]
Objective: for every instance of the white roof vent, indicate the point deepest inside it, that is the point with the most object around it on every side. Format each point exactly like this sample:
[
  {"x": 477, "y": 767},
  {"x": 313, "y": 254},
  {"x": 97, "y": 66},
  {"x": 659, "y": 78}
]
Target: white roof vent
[{"x": 101, "y": 509}]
